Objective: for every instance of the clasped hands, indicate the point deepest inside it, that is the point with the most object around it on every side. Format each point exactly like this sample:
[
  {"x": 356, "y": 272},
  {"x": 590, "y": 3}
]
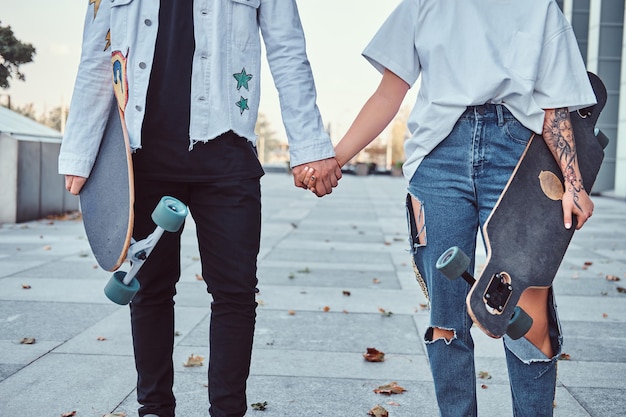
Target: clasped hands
[{"x": 320, "y": 177}]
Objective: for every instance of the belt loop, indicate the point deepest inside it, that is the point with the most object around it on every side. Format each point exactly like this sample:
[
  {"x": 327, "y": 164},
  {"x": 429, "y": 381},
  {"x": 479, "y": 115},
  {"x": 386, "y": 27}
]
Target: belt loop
[{"x": 500, "y": 115}]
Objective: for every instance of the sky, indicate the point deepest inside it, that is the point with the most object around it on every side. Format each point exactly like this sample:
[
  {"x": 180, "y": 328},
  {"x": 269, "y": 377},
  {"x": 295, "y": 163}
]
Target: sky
[{"x": 336, "y": 33}]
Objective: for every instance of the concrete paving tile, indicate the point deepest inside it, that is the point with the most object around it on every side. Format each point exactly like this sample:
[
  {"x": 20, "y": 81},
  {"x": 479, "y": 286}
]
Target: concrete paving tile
[
  {"x": 317, "y": 298},
  {"x": 10, "y": 267},
  {"x": 579, "y": 308},
  {"x": 303, "y": 264},
  {"x": 92, "y": 385},
  {"x": 68, "y": 267},
  {"x": 327, "y": 277},
  {"x": 337, "y": 332},
  {"x": 600, "y": 402},
  {"x": 12, "y": 352},
  {"x": 55, "y": 290},
  {"x": 278, "y": 362},
  {"x": 358, "y": 258},
  {"x": 610, "y": 347},
  {"x": 8, "y": 369},
  {"x": 48, "y": 321},
  {"x": 578, "y": 374}
]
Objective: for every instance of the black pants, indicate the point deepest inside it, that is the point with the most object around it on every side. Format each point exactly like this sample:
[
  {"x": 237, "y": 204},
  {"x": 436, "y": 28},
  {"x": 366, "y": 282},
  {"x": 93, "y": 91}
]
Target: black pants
[{"x": 228, "y": 221}]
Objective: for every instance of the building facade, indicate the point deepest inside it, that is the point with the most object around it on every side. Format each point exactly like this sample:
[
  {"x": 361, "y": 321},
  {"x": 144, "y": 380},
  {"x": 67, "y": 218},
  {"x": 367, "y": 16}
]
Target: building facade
[{"x": 600, "y": 31}]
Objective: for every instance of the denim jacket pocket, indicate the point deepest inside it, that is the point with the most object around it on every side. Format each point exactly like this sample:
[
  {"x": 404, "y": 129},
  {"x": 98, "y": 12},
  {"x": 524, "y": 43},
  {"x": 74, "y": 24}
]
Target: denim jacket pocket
[
  {"x": 523, "y": 55},
  {"x": 242, "y": 21},
  {"x": 252, "y": 3},
  {"x": 117, "y": 3}
]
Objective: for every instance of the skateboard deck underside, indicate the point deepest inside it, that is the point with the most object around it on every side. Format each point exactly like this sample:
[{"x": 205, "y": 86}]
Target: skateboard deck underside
[
  {"x": 525, "y": 235},
  {"x": 106, "y": 200}
]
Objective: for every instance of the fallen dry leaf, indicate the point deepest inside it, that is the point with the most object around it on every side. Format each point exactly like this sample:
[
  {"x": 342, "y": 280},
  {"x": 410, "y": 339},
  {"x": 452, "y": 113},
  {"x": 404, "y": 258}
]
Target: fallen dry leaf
[
  {"x": 70, "y": 414},
  {"x": 391, "y": 388},
  {"x": 385, "y": 312},
  {"x": 26, "y": 287},
  {"x": 612, "y": 278},
  {"x": 376, "y": 281},
  {"x": 565, "y": 357},
  {"x": 120, "y": 414},
  {"x": 378, "y": 411},
  {"x": 621, "y": 290},
  {"x": 194, "y": 360},
  {"x": 199, "y": 277},
  {"x": 393, "y": 403},
  {"x": 346, "y": 293},
  {"x": 259, "y": 406},
  {"x": 374, "y": 355},
  {"x": 604, "y": 315},
  {"x": 28, "y": 341},
  {"x": 101, "y": 338},
  {"x": 484, "y": 375},
  {"x": 326, "y": 309},
  {"x": 291, "y": 312},
  {"x": 484, "y": 386}
]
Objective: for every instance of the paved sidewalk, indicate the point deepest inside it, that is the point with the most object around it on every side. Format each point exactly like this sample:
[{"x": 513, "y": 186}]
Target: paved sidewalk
[{"x": 328, "y": 269}]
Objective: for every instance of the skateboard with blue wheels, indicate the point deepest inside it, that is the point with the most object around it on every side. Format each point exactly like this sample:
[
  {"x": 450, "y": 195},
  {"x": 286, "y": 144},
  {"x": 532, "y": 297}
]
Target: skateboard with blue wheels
[
  {"x": 106, "y": 203},
  {"x": 524, "y": 234}
]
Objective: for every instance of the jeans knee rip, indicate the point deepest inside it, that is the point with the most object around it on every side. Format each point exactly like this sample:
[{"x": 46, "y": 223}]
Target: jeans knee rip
[
  {"x": 428, "y": 337},
  {"x": 417, "y": 235}
]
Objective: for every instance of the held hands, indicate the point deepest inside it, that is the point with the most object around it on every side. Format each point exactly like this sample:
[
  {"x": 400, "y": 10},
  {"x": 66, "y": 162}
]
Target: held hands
[
  {"x": 318, "y": 176},
  {"x": 74, "y": 184}
]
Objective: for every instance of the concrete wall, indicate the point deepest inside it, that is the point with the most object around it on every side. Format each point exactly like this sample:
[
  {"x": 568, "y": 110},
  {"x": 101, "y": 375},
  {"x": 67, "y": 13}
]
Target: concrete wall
[{"x": 30, "y": 186}]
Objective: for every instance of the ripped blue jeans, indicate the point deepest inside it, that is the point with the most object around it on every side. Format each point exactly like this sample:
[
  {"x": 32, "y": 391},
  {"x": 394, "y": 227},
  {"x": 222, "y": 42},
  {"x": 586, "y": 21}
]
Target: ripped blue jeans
[{"x": 450, "y": 197}]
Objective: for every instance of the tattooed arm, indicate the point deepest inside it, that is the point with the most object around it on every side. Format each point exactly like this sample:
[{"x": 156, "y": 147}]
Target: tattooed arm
[{"x": 559, "y": 136}]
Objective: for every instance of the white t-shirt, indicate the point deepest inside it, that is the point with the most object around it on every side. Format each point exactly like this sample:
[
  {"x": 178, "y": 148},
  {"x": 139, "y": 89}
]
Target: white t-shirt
[{"x": 519, "y": 53}]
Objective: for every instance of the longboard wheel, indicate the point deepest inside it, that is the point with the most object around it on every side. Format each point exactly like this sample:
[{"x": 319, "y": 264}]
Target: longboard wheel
[
  {"x": 169, "y": 214},
  {"x": 118, "y": 292},
  {"x": 453, "y": 263},
  {"x": 519, "y": 324}
]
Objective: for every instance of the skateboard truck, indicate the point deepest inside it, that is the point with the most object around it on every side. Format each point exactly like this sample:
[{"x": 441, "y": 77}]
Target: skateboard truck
[
  {"x": 453, "y": 263},
  {"x": 169, "y": 215}
]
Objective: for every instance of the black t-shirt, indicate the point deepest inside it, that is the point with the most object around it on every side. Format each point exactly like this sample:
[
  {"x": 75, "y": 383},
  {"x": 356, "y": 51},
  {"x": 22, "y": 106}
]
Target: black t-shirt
[{"x": 165, "y": 131}]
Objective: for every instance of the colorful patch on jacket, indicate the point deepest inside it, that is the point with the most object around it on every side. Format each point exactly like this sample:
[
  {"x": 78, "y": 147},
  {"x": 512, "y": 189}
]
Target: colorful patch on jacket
[
  {"x": 107, "y": 38},
  {"x": 242, "y": 79},
  {"x": 96, "y": 6},
  {"x": 242, "y": 104},
  {"x": 120, "y": 81}
]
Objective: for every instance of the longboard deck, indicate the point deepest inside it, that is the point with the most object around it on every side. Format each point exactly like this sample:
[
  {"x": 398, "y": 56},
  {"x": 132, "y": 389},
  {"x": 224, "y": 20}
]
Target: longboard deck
[
  {"x": 525, "y": 235},
  {"x": 106, "y": 200}
]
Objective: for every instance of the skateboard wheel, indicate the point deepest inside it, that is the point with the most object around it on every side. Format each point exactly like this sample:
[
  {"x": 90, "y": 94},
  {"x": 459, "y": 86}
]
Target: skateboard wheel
[
  {"x": 453, "y": 263},
  {"x": 118, "y": 292},
  {"x": 519, "y": 324},
  {"x": 169, "y": 214}
]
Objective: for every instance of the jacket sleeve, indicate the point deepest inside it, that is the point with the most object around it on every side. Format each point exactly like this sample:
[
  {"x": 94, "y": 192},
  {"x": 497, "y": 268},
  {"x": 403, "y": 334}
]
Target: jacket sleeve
[
  {"x": 92, "y": 96},
  {"x": 286, "y": 54}
]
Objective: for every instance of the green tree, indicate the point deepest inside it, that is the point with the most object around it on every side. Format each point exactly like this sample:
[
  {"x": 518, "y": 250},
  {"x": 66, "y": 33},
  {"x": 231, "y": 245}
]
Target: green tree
[{"x": 13, "y": 53}]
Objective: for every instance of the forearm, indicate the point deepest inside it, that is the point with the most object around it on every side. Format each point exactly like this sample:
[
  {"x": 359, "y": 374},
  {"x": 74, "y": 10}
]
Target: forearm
[
  {"x": 373, "y": 118},
  {"x": 559, "y": 136}
]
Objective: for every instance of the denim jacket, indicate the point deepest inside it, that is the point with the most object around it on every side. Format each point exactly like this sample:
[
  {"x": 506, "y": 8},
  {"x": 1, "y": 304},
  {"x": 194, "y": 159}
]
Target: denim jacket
[{"x": 117, "y": 50}]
